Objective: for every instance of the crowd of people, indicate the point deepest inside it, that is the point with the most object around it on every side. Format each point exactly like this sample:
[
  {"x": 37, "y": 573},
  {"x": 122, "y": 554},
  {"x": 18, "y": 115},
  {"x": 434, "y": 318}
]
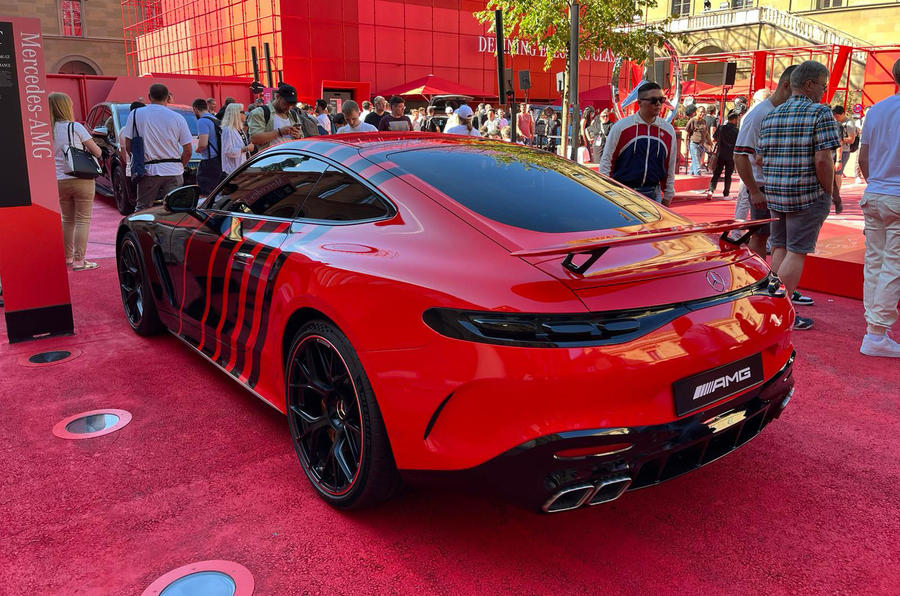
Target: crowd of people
[{"x": 789, "y": 150}]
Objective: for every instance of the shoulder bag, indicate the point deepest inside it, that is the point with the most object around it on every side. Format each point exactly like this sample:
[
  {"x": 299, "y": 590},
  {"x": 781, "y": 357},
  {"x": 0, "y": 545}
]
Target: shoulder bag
[{"x": 80, "y": 163}]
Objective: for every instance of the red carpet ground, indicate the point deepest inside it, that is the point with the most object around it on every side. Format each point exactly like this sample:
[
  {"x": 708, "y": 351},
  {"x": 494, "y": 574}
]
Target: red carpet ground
[{"x": 205, "y": 471}]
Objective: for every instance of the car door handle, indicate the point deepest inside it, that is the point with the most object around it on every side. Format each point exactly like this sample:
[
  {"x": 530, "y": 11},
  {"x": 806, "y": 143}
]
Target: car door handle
[{"x": 243, "y": 257}]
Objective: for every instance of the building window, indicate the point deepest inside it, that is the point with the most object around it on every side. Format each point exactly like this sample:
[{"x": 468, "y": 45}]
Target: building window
[
  {"x": 70, "y": 13},
  {"x": 830, "y": 3},
  {"x": 681, "y": 8},
  {"x": 741, "y": 3}
]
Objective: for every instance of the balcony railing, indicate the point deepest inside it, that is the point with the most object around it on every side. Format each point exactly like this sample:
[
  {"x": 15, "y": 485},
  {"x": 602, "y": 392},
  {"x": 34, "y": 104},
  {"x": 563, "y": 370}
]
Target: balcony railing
[{"x": 803, "y": 28}]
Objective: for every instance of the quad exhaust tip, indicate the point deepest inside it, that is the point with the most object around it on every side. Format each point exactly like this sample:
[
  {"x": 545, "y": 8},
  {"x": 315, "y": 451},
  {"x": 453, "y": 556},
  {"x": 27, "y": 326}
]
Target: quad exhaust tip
[{"x": 574, "y": 497}]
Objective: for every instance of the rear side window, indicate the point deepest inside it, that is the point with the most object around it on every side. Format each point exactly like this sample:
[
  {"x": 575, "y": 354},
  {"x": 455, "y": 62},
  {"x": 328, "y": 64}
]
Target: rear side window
[
  {"x": 340, "y": 197},
  {"x": 526, "y": 188},
  {"x": 274, "y": 186}
]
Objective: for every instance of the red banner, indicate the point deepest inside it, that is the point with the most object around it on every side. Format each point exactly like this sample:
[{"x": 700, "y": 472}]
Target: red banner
[{"x": 32, "y": 258}]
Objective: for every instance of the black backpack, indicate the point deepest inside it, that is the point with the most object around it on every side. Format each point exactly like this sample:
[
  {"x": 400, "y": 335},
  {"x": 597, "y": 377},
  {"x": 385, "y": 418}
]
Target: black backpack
[
  {"x": 540, "y": 128},
  {"x": 218, "y": 128},
  {"x": 854, "y": 146}
]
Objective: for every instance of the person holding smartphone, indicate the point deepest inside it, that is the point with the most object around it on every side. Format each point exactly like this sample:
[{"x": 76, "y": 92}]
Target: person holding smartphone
[{"x": 276, "y": 122}]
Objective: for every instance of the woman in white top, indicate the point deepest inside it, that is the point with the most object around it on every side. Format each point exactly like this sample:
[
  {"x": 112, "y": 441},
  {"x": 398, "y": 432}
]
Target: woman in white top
[
  {"x": 76, "y": 195},
  {"x": 235, "y": 147},
  {"x": 465, "y": 128}
]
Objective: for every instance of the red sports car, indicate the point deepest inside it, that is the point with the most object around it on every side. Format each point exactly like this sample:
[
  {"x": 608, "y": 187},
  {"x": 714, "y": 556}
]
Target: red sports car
[{"x": 421, "y": 304}]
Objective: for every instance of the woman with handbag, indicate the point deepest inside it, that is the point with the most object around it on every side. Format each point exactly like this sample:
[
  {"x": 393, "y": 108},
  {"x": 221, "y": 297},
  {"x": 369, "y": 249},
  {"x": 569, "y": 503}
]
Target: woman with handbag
[{"x": 74, "y": 152}]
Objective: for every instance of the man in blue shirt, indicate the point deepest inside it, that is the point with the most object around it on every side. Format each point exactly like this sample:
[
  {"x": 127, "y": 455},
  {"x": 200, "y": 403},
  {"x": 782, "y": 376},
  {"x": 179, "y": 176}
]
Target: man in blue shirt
[{"x": 209, "y": 139}]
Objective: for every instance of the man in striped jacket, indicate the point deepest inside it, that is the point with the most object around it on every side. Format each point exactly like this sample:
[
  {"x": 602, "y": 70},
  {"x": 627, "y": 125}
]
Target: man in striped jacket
[{"x": 640, "y": 151}]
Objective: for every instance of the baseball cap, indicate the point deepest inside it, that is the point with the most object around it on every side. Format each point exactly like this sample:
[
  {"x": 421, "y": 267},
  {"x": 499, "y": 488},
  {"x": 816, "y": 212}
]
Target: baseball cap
[
  {"x": 287, "y": 93},
  {"x": 464, "y": 112},
  {"x": 448, "y": 110}
]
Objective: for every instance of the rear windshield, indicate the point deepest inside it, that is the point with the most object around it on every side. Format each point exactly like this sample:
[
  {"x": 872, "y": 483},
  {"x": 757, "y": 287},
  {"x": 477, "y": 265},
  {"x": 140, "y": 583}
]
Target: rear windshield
[{"x": 526, "y": 188}]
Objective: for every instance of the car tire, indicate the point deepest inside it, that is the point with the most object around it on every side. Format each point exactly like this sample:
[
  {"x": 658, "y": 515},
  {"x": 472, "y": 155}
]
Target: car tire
[
  {"x": 120, "y": 192},
  {"x": 137, "y": 299},
  {"x": 334, "y": 420}
]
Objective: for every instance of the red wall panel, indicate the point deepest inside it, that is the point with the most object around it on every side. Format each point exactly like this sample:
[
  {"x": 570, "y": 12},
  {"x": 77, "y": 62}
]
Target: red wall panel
[{"x": 382, "y": 42}]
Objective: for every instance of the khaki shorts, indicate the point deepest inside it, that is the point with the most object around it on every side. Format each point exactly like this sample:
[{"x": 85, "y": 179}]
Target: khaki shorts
[{"x": 797, "y": 231}]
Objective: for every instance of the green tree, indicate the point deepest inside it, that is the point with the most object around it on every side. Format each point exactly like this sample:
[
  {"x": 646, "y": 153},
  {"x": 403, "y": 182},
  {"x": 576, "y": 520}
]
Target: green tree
[{"x": 604, "y": 25}]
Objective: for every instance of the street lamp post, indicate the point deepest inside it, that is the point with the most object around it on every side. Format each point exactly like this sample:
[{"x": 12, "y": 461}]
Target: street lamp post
[{"x": 573, "y": 77}]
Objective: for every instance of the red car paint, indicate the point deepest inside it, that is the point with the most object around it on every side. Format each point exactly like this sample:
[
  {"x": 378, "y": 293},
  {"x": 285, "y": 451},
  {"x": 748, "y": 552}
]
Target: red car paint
[{"x": 375, "y": 280}]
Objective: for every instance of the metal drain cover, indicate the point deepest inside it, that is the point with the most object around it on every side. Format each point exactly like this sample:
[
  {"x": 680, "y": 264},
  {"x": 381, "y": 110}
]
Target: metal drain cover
[
  {"x": 95, "y": 423},
  {"x": 204, "y": 578},
  {"x": 92, "y": 423},
  {"x": 47, "y": 357},
  {"x": 207, "y": 583}
]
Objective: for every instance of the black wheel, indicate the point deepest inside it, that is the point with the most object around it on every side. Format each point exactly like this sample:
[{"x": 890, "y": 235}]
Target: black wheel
[
  {"x": 140, "y": 310},
  {"x": 121, "y": 192},
  {"x": 334, "y": 420}
]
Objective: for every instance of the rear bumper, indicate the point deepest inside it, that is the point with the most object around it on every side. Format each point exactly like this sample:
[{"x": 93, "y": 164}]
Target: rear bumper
[{"x": 536, "y": 475}]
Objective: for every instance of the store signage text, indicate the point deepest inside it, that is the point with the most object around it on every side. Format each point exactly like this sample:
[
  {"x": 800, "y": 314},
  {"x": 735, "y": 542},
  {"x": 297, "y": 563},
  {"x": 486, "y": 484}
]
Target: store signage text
[
  {"x": 35, "y": 96},
  {"x": 488, "y": 45}
]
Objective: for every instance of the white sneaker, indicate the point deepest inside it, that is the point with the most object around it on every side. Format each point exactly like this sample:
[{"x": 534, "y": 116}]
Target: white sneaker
[{"x": 879, "y": 345}]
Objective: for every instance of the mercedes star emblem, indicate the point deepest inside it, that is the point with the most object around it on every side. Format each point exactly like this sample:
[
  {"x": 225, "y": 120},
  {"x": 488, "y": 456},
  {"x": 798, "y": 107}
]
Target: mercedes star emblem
[{"x": 715, "y": 281}]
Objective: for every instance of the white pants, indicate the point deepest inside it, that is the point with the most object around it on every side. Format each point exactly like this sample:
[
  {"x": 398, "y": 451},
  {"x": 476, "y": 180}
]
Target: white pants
[{"x": 882, "y": 273}]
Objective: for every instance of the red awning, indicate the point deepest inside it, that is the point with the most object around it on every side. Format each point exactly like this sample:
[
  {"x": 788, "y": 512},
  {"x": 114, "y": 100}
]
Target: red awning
[
  {"x": 431, "y": 85},
  {"x": 598, "y": 98},
  {"x": 694, "y": 87},
  {"x": 741, "y": 87}
]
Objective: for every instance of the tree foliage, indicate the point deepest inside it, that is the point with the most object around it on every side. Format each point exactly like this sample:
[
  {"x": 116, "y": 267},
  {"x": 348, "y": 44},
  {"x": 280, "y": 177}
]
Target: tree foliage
[{"x": 605, "y": 25}]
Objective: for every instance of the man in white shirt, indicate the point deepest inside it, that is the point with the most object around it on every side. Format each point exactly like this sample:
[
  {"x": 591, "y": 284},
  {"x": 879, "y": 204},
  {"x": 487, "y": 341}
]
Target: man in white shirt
[
  {"x": 491, "y": 126},
  {"x": 322, "y": 117},
  {"x": 352, "y": 116},
  {"x": 749, "y": 169},
  {"x": 366, "y": 109},
  {"x": 167, "y": 146},
  {"x": 501, "y": 116},
  {"x": 879, "y": 161}
]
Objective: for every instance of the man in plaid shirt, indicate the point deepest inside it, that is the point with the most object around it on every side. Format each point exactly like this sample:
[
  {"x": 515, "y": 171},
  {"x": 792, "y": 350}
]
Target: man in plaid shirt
[{"x": 796, "y": 144}]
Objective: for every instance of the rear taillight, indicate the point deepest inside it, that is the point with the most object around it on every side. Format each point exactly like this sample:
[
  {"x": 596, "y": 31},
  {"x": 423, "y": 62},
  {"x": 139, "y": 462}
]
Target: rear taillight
[
  {"x": 571, "y": 330},
  {"x": 551, "y": 331}
]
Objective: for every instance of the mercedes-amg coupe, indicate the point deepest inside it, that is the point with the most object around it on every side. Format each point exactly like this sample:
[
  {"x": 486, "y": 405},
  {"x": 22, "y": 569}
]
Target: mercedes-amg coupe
[{"x": 434, "y": 305}]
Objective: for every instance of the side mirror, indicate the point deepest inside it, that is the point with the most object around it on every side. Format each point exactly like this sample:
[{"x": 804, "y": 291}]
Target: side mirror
[
  {"x": 100, "y": 131},
  {"x": 183, "y": 199}
]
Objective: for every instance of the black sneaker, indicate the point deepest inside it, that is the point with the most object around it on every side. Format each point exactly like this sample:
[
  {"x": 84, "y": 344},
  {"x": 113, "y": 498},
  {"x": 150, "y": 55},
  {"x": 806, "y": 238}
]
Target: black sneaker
[
  {"x": 802, "y": 323},
  {"x": 798, "y": 298}
]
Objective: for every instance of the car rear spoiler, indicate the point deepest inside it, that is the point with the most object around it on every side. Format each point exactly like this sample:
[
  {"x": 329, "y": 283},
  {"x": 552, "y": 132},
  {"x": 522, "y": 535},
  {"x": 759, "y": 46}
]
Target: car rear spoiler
[{"x": 595, "y": 247}]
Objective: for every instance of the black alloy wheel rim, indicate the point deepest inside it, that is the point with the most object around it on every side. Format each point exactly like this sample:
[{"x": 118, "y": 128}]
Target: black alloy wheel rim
[
  {"x": 131, "y": 283},
  {"x": 119, "y": 191},
  {"x": 325, "y": 415}
]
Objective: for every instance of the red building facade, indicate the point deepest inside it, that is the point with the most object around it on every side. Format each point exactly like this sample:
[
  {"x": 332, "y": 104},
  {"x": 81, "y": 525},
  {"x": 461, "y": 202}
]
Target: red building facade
[{"x": 322, "y": 47}]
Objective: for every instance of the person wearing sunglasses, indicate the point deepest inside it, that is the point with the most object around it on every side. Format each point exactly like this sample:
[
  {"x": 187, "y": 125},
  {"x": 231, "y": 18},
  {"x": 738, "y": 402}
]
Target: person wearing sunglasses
[{"x": 640, "y": 149}]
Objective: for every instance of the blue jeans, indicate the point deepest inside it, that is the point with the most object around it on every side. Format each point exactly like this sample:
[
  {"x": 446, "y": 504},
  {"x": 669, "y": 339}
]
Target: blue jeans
[
  {"x": 651, "y": 192},
  {"x": 697, "y": 152}
]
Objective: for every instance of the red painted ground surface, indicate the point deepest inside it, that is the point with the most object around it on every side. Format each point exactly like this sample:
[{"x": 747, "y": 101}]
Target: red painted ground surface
[
  {"x": 837, "y": 265},
  {"x": 205, "y": 471}
]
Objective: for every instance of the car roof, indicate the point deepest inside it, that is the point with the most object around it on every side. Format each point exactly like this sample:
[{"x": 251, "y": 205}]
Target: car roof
[
  {"x": 128, "y": 103},
  {"x": 378, "y": 142}
]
